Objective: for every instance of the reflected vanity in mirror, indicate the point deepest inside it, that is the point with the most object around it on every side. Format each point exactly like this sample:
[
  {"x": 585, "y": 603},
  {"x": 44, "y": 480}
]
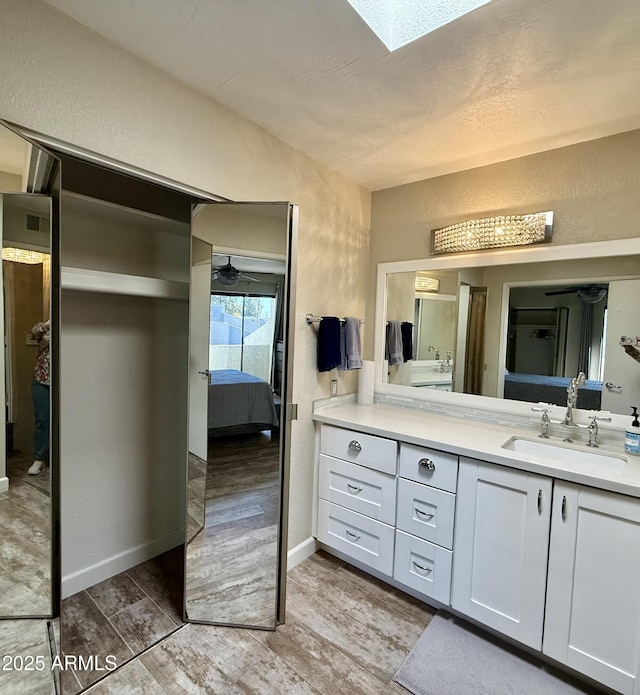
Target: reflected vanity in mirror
[
  {"x": 521, "y": 324},
  {"x": 239, "y": 300},
  {"x": 28, "y": 441}
]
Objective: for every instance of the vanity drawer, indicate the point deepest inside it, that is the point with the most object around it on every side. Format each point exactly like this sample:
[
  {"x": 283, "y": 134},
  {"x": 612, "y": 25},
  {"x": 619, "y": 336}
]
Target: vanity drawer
[
  {"x": 361, "y": 489},
  {"x": 359, "y": 537},
  {"x": 365, "y": 449},
  {"x": 423, "y": 566},
  {"x": 426, "y": 512},
  {"x": 428, "y": 466}
]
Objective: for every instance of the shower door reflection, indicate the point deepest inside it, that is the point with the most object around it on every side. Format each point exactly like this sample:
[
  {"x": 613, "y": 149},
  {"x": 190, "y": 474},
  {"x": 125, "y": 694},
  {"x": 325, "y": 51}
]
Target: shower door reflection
[{"x": 234, "y": 547}]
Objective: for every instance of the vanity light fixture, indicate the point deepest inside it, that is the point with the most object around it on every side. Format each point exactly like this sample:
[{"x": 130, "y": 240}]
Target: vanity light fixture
[
  {"x": 9, "y": 253},
  {"x": 424, "y": 283},
  {"x": 492, "y": 233}
]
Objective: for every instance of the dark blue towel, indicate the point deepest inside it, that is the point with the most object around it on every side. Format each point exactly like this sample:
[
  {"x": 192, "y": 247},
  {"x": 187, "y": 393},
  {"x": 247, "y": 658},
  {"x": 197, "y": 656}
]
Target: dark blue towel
[
  {"x": 406, "y": 329},
  {"x": 329, "y": 344}
]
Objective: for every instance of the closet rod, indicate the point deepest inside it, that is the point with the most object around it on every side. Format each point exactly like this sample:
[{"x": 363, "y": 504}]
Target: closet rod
[{"x": 310, "y": 318}]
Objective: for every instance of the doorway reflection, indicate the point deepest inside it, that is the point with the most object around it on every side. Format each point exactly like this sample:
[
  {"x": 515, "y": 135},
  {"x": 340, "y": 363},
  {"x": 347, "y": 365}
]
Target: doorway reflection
[{"x": 25, "y": 507}]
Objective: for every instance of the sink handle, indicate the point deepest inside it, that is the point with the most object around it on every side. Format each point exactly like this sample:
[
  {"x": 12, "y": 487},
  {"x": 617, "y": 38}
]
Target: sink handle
[{"x": 545, "y": 421}]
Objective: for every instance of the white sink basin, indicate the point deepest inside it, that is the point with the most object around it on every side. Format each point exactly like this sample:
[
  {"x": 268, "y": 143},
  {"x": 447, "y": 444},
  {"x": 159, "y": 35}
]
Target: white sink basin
[{"x": 562, "y": 453}]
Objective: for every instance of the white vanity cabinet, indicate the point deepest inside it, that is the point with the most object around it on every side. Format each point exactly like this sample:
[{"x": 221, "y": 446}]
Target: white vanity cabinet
[
  {"x": 592, "y": 619},
  {"x": 402, "y": 526},
  {"x": 521, "y": 537},
  {"x": 424, "y": 520},
  {"x": 502, "y": 535},
  {"x": 357, "y": 496}
]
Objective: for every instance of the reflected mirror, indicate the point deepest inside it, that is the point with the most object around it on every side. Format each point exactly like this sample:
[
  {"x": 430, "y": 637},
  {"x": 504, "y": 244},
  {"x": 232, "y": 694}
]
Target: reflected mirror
[
  {"x": 26, "y": 557},
  {"x": 28, "y": 562},
  {"x": 238, "y": 307},
  {"x": 520, "y": 331}
]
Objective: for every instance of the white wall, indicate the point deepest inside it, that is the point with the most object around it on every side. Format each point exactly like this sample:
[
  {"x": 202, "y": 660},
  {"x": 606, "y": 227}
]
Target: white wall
[
  {"x": 59, "y": 78},
  {"x": 123, "y": 366}
]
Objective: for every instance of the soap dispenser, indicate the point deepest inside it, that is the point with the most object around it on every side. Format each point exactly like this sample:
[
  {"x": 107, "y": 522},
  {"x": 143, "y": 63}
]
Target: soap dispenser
[{"x": 632, "y": 435}]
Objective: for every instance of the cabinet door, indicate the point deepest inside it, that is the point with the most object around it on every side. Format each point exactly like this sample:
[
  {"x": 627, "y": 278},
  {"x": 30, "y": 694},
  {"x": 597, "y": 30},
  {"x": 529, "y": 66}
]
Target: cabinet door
[
  {"x": 592, "y": 620},
  {"x": 501, "y": 547}
]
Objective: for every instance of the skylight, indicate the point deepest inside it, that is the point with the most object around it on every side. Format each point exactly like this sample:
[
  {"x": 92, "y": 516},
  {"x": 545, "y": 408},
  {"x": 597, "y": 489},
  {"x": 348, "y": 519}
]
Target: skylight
[{"x": 399, "y": 22}]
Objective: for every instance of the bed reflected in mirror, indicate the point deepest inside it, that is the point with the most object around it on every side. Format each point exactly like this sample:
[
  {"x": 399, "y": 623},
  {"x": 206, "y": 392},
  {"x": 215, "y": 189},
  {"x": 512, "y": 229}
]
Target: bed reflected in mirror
[{"x": 235, "y": 473}]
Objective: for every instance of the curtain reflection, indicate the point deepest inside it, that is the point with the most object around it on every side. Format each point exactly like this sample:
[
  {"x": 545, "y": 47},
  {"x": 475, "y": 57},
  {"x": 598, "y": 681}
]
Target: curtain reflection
[{"x": 475, "y": 341}]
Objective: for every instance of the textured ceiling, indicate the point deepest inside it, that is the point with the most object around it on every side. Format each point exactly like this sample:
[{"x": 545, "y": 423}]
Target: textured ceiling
[{"x": 511, "y": 78}]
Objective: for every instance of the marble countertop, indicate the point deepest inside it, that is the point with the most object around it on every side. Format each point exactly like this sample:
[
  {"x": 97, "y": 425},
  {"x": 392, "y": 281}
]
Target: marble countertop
[{"x": 485, "y": 442}]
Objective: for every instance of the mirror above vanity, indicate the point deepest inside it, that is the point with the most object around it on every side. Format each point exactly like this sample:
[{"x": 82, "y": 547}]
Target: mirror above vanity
[{"x": 514, "y": 325}]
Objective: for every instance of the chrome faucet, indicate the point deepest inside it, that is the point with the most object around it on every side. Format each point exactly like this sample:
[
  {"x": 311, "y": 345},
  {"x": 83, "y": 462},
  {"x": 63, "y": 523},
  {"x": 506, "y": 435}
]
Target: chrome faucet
[
  {"x": 593, "y": 432},
  {"x": 545, "y": 421},
  {"x": 592, "y": 429},
  {"x": 445, "y": 365},
  {"x": 572, "y": 398}
]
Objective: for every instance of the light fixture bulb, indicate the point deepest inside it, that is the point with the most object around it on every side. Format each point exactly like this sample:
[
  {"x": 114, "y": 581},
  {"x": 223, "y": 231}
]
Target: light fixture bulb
[{"x": 15, "y": 255}]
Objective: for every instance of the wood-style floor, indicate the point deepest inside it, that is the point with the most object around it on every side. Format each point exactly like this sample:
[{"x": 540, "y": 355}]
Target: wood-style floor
[
  {"x": 345, "y": 632},
  {"x": 121, "y": 616}
]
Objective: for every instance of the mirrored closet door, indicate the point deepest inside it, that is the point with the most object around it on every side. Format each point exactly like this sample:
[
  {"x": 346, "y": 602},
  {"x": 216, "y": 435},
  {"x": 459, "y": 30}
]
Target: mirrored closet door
[
  {"x": 29, "y": 559},
  {"x": 240, "y": 298}
]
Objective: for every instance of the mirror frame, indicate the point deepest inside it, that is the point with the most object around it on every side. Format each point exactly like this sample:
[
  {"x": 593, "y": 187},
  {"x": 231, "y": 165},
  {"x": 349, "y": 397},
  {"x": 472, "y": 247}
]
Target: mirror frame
[{"x": 532, "y": 254}]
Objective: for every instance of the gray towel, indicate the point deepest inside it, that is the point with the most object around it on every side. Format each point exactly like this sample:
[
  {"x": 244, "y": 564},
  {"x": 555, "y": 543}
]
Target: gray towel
[
  {"x": 353, "y": 350},
  {"x": 393, "y": 351}
]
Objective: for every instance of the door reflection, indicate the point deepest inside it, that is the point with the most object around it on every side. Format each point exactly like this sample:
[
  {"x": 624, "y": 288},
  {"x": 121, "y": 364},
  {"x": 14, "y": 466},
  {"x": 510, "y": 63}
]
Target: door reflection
[{"x": 25, "y": 507}]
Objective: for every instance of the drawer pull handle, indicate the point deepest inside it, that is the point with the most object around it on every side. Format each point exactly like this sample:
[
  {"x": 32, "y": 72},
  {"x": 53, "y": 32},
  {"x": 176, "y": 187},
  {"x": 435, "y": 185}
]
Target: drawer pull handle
[
  {"x": 357, "y": 488},
  {"x": 350, "y": 534},
  {"x": 426, "y": 570},
  {"x": 427, "y": 463},
  {"x": 355, "y": 445},
  {"x": 426, "y": 515}
]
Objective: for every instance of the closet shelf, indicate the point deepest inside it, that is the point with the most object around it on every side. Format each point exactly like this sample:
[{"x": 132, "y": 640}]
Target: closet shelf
[{"x": 117, "y": 283}]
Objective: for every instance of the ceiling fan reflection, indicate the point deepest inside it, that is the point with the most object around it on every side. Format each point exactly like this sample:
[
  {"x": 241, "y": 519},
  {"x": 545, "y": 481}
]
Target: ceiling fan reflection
[
  {"x": 590, "y": 294},
  {"x": 229, "y": 276}
]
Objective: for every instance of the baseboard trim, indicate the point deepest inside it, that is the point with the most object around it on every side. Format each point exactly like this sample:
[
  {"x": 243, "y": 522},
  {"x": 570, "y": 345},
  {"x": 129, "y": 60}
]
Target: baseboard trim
[
  {"x": 4, "y": 484},
  {"x": 301, "y": 552},
  {"x": 94, "y": 574}
]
